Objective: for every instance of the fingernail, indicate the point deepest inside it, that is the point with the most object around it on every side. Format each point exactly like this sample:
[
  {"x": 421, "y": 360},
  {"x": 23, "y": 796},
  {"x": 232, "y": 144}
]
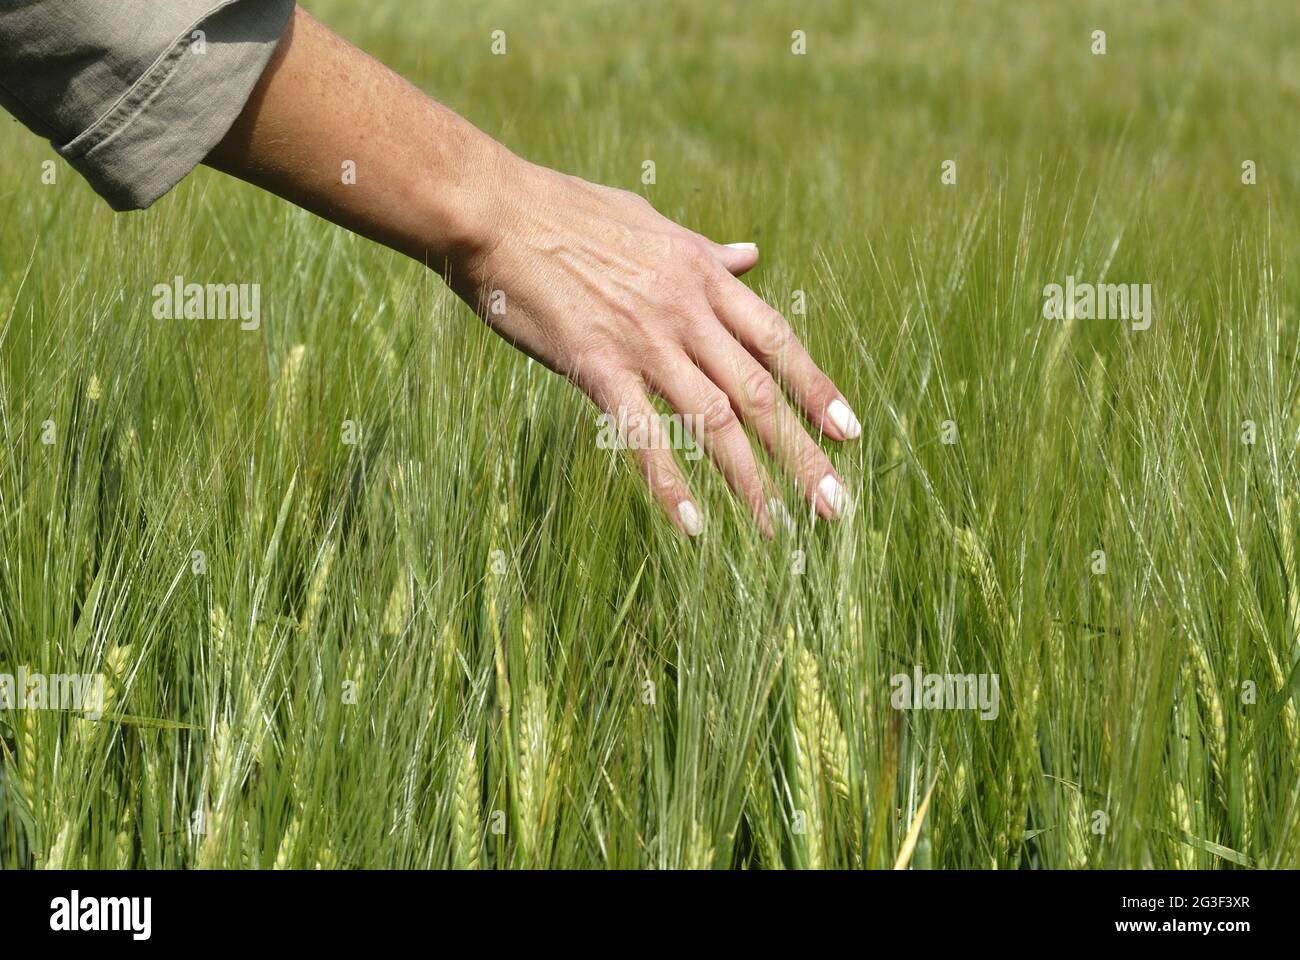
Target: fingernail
[
  {"x": 743, "y": 246},
  {"x": 777, "y": 510},
  {"x": 690, "y": 518},
  {"x": 836, "y": 497},
  {"x": 839, "y": 414}
]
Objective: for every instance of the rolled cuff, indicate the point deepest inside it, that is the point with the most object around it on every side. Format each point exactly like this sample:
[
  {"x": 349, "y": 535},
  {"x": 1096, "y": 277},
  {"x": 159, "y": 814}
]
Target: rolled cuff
[{"x": 181, "y": 107}]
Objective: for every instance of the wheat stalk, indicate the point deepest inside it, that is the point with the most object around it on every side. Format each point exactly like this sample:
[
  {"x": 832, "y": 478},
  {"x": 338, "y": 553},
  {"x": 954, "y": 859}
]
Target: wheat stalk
[
  {"x": 1184, "y": 853},
  {"x": 397, "y": 613},
  {"x": 319, "y": 583},
  {"x": 807, "y": 741},
  {"x": 220, "y": 769},
  {"x": 288, "y": 845},
  {"x": 1206, "y": 686},
  {"x": 466, "y": 842},
  {"x": 975, "y": 562},
  {"x": 533, "y": 763},
  {"x": 699, "y": 850}
]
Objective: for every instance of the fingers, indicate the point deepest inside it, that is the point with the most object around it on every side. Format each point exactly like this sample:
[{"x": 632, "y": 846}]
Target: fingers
[
  {"x": 765, "y": 411},
  {"x": 709, "y": 416},
  {"x": 768, "y": 337},
  {"x": 629, "y": 412},
  {"x": 716, "y": 381},
  {"x": 736, "y": 257}
]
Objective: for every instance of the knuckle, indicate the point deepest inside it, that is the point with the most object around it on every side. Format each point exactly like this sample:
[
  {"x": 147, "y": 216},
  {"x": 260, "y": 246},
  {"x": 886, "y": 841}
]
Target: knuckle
[
  {"x": 699, "y": 322},
  {"x": 660, "y": 477},
  {"x": 773, "y": 336},
  {"x": 654, "y": 351},
  {"x": 592, "y": 362},
  {"x": 676, "y": 298},
  {"x": 625, "y": 401},
  {"x": 600, "y": 373},
  {"x": 678, "y": 304},
  {"x": 716, "y": 414},
  {"x": 760, "y": 391},
  {"x": 687, "y": 252}
]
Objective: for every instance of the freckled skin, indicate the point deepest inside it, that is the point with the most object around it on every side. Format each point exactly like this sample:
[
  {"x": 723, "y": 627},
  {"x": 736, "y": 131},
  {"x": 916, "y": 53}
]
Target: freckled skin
[{"x": 598, "y": 286}]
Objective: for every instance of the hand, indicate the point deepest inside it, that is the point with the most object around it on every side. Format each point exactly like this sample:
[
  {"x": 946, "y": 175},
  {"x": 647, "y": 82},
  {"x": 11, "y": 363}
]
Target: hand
[{"x": 595, "y": 284}]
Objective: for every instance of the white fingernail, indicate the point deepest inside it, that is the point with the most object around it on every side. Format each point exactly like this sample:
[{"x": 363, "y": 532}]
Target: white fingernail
[
  {"x": 839, "y": 414},
  {"x": 743, "y": 246},
  {"x": 776, "y": 509},
  {"x": 690, "y": 518},
  {"x": 836, "y": 497}
]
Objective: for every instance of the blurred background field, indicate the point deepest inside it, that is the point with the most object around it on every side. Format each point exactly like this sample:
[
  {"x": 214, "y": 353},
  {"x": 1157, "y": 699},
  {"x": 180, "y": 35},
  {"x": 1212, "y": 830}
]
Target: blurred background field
[{"x": 470, "y": 640}]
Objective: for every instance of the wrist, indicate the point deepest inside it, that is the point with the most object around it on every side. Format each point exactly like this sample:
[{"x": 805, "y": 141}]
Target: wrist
[{"x": 466, "y": 206}]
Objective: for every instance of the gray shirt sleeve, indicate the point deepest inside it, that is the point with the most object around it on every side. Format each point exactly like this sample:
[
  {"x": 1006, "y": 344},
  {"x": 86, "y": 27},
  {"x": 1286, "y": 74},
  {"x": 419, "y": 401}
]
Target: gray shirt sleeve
[{"x": 134, "y": 93}]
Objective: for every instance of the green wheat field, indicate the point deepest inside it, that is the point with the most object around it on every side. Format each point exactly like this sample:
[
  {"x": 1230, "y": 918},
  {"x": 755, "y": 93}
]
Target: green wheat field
[{"x": 469, "y": 639}]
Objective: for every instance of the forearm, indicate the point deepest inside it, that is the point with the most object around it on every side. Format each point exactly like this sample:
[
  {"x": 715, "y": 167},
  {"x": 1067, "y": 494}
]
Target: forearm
[{"x": 338, "y": 133}]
